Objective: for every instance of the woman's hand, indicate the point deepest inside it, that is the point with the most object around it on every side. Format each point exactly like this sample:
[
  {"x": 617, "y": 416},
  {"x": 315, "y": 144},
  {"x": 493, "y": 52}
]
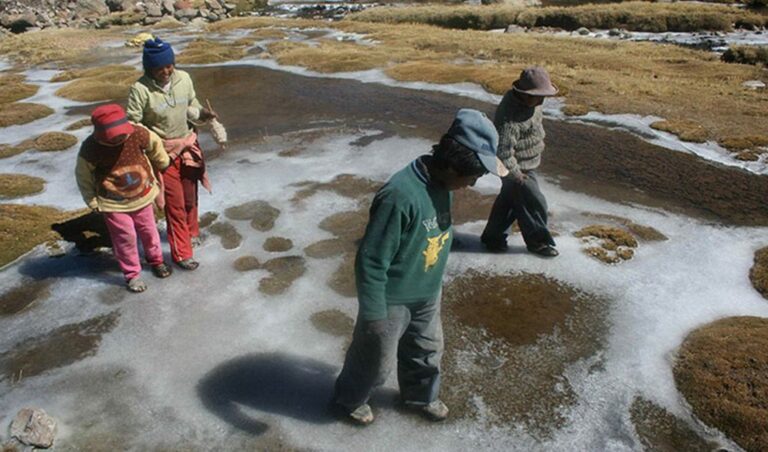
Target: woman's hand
[{"x": 207, "y": 114}]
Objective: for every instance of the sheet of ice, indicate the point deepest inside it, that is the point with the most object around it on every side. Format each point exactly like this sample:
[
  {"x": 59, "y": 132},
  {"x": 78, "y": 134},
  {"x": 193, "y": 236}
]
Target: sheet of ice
[
  {"x": 189, "y": 325},
  {"x": 715, "y": 41}
]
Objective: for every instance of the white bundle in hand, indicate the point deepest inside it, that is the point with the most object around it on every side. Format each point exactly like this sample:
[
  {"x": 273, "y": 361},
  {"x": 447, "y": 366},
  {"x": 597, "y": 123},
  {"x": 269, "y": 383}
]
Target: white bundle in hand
[{"x": 218, "y": 131}]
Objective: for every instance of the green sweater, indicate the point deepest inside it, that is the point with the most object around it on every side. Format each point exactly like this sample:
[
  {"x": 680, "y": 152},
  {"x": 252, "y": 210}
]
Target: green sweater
[
  {"x": 164, "y": 113},
  {"x": 402, "y": 257}
]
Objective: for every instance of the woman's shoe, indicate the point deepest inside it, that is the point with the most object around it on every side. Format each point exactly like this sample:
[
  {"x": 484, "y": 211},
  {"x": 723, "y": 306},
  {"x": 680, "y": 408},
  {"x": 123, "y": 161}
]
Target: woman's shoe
[
  {"x": 162, "y": 270},
  {"x": 188, "y": 264}
]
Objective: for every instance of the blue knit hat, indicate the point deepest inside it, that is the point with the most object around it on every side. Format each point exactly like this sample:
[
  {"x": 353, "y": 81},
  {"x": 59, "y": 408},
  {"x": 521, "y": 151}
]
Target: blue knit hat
[
  {"x": 475, "y": 131},
  {"x": 157, "y": 53}
]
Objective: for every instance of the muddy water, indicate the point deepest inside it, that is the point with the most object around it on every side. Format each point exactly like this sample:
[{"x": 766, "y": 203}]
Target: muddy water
[{"x": 257, "y": 102}]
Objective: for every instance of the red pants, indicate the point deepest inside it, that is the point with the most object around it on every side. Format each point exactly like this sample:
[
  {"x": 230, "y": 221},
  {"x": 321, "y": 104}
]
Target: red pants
[{"x": 181, "y": 208}]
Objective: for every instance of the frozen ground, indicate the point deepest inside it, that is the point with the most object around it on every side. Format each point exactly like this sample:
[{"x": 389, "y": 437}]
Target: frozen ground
[{"x": 206, "y": 361}]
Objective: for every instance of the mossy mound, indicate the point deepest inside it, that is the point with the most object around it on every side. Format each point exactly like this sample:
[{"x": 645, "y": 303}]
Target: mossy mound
[
  {"x": 284, "y": 271},
  {"x": 54, "y": 141},
  {"x": 23, "y": 227},
  {"x": 277, "y": 244},
  {"x": 97, "y": 84},
  {"x": 614, "y": 244},
  {"x": 207, "y": 219},
  {"x": 346, "y": 185},
  {"x": 13, "y": 88},
  {"x": 230, "y": 238},
  {"x": 246, "y": 263},
  {"x": 79, "y": 124},
  {"x": 18, "y": 185},
  {"x": 203, "y": 51},
  {"x": 685, "y": 129},
  {"x": 261, "y": 213},
  {"x": 749, "y": 54},
  {"x": 576, "y": 110},
  {"x": 21, "y": 113},
  {"x": 333, "y": 322},
  {"x": 661, "y": 431},
  {"x": 722, "y": 370},
  {"x": 740, "y": 143},
  {"x": 758, "y": 274},
  {"x": 642, "y": 232},
  {"x": 7, "y": 150}
]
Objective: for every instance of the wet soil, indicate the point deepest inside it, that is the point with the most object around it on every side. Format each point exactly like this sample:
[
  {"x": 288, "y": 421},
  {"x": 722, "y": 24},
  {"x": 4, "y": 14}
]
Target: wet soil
[
  {"x": 608, "y": 164},
  {"x": 21, "y": 297},
  {"x": 659, "y": 430},
  {"x": 509, "y": 340},
  {"x": 59, "y": 348},
  {"x": 230, "y": 238},
  {"x": 285, "y": 270},
  {"x": 333, "y": 322},
  {"x": 261, "y": 213},
  {"x": 277, "y": 244}
]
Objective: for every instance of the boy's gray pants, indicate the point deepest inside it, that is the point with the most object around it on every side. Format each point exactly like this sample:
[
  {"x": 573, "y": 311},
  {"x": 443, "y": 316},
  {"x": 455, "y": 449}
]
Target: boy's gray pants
[
  {"x": 524, "y": 203},
  {"x": 413, "y": 334}
]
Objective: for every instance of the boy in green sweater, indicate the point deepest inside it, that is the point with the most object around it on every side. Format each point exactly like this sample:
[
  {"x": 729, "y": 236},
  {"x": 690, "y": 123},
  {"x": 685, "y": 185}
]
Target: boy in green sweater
[{"x": 399, "y": 270}]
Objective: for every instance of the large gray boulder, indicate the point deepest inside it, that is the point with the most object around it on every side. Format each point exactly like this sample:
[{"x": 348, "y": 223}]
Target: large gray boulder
[
  {"x": 33, "y": 427},
  {"x": 89, "y": 8},
  {"x": 168, "y": 6}
]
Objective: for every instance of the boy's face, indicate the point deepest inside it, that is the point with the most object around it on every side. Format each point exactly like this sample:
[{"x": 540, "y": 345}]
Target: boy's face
[
  {"x": 161, "y": 74},
  {"x": 452, "y": 181},
  {"x": 531, "y": 101},
  {"x": 115, "y": 141}
]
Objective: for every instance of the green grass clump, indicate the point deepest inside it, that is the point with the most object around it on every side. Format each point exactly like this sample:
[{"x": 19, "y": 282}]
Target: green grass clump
[{"x": 746, "y": 55}]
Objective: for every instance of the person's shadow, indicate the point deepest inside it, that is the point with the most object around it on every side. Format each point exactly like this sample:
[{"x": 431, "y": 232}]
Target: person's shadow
[{"x": 277, "y": 383}]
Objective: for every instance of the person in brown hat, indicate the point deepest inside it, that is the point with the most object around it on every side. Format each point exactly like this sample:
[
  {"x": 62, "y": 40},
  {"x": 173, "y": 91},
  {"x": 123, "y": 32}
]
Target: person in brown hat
[{"x": 518, "y": 120}]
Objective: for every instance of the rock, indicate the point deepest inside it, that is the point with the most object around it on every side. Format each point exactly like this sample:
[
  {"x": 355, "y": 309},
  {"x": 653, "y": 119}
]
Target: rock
[
  {"x": 154, "y": 10},
  {"x": 753, "y": 84},
  {"x": 213, "y": 17},
  {"x": 187, "y": 14},
  {"x": 168, "y": 6},
  {"x": 213, "y": 5},
  {"x": 33, "y": 427},
  {"x": 230, "y": 7},
  {"x": 515, "y": 29},
  {"x": 182, "y": 4},
  {"x": 583, "y": 31},
  {"x": 89, "y": 8},
  {"x": 119, "y": 5},
  {"x": 151, "y": 20},
  {"x": 19, "y": 23},
  {"x": 614, "y": 32}
]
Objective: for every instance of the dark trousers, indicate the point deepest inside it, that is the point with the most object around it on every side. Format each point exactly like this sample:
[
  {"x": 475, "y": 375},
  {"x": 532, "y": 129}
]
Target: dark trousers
[
  {"x": 412, "y": 334},
  {"x": 525, "y": 203}
]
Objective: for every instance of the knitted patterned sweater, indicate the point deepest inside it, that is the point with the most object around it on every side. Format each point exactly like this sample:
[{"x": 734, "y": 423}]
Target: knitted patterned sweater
[{"x": 521, "y": 134}]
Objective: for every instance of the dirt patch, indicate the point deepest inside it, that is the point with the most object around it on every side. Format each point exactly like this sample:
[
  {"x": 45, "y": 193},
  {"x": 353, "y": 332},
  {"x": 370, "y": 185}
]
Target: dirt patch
[
  {"x": 643, "y": 233},
  {"x": 23, "y": 296},
  {"x": 202, "y": 51},
  {"x": 509, "y": 340},
  {"x": 346, "y": 185},
  {"x": 18, "y": 185},
  {"x": 329, "y": 248},
  {"x": 470, "y": 205},
  {"x": 13, "y": 88},
  {"x": 333, "y": 322},
  {"x": 722, "y": 370},
  {"x": 23, "y": 227},
  {"x": 98, "y": 84},
  {"x": 77, "y": 125},
  {"x": 284, "y": 270},
  {"x": 21, "y": 113},
  {"x": 261, "y": 214},
  {"x": 758, "y": 274},
  {"x": 61, "y": 347},
  {"x": 659, "y": 430},
  {"x": 607, "y": 243},
  {"x": 230, "y": 238},
  {"x": 277, "y": 244},
  {"x": 207, "y": 219},
  {"x": 246, "y": 263}
]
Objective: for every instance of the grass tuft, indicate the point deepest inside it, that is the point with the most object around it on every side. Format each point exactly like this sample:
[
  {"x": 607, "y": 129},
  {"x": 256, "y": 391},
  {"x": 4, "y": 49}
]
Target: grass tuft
[
  {"x": 686, "y": 130},
  {"x": 19, "y": 185},
  {"x": 97, "y": 84},
  {"x": 758, "y": 274},
  {"x": 740, "y": 143},
  {"x": 23, "y": 227},
  {"x": 746, "y": 55},
  {"x": 13, "y": 88},
  {"x": 22, "y": 113},
  {"x": 52, "y": 45},
  {"x": 203, "y": 51}
]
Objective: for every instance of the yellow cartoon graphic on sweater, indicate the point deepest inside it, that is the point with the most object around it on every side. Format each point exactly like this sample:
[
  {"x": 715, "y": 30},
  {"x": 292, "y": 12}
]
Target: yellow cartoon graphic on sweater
[{"x": 434, "y": 246}]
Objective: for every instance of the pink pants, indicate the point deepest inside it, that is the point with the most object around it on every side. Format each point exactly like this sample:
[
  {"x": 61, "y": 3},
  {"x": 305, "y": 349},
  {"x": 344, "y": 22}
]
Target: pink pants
[{"x": 123, "y": 227}]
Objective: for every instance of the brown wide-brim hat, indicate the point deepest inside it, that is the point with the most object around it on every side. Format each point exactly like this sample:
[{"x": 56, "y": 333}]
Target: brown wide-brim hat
[{"x": 535, "y": 81}]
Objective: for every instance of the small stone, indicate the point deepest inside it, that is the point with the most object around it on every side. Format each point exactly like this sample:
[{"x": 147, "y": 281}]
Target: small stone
[
  {"x": 583, "y": 31},
  {"x": 151, "y": 20},
  {"x": 754, "y": 84},
  {"x": 515, "y": 29},
  {"x": 614, "y": 32},
  {"x": 229, "y": 6},
  {"x": 154, "y": 10},
  {"x": 213, "y": 4},
  {"x": 33, "y": 427},
  {"x": 187, "y": 14}
]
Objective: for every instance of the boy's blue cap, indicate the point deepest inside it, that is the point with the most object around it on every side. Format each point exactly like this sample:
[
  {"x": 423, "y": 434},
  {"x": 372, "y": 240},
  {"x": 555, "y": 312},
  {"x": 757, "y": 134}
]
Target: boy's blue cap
[{"x": 475, "y": 131}]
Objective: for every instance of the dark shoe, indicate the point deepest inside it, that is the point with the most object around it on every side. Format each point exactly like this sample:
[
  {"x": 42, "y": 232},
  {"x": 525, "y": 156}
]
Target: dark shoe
[
  {"x": 544, "y": 250},
  {"x": 188, "y": 264},
  {"x": 162, "y": 270},
  {"x": 495, "y": 245}
]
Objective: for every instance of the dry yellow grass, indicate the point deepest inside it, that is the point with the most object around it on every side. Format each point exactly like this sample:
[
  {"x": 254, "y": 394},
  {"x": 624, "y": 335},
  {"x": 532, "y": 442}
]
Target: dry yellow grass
[
  {"x": 18, "y": 185},
  {"x": 686, "y": 130},
  {"x": 96, "y": 84},
  {"x": 79, "y": 124},
  {"x": 22, "y": 113},
  {"x": 23, "y": 227},
  {"x": 268, "y": 33},
  {"x": 13, "y": 88},
  {"x": 203, "y": 51},
  {"x": 7, "y": 150},
  {"x": 758, "y": 274},
  {"x": 54, "y": 141},
  {"x": 611, "y": 77},
  {"x": 52, "y": 45}
]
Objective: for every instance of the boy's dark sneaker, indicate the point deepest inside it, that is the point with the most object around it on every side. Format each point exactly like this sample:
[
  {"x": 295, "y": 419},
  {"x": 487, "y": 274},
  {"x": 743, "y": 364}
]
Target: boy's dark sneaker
[
  {"x": 495, "y": 245},
  {"x": 544, "y": 250},
  {"x": 162, "y": 270}
]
